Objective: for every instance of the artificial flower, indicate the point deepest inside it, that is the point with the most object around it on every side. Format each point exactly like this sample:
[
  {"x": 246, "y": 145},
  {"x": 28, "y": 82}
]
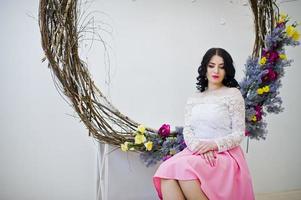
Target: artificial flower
[
  {"x": 270, "y": 76},
  {"x": 247, "y": 133},
  {"x": 164, "y": 130},
  {"x": 254, "y": 118},
  {"x": 263, "y": 60},
  {"x": 282, "y": 56},
  {"x": 141, "y": 129},
  {"x": 292, "y": 32},
  {"x": 273, "y": 56},
  {"x": 259, "y": 91},
  {"x": 296, "y": 36},
  {"x": 124, "y": 146},
  {"x": 266, "y": 88},
  {"x": 282, "y": 18},
  {"x": 139, "y": 139},
  {"x": 258, "y": 111},
  {"x": 172, "y": 151},
  {"x": 148, "y": 145}
]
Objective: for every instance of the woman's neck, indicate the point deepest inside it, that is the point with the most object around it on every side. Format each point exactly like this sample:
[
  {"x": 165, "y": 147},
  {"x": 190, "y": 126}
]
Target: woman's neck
[{"x": 212, "y": 87}]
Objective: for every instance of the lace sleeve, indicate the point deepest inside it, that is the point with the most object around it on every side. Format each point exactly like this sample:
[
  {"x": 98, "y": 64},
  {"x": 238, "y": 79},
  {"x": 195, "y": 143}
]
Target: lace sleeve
[
  {"x": 237, "y": 115},
  {"x": 189, "y": 138}
]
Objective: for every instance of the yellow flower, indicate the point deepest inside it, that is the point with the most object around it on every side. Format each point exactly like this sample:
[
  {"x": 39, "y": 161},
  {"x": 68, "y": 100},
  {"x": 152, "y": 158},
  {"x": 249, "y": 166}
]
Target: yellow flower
[
  {"x": 283, "y": 56},
  {"x": 254, "y": 119},
  {"x": 282, "y": 17},
  {"x": 259, "y": 91},
  {"x": 172, "y": 152},
  {"x": 139, "y": 139},
  {"x": 296, "y": 35},
  {"x": 148, "y": 145},
  {"x": 132, "y": 148},
  {"x": 263, "y": 60},
  {"x": 141, "y": 129},
  {"x": 124, "y": 146},
  {"x": 266, "y": 88},
  {"x": 292, "y": 32}
]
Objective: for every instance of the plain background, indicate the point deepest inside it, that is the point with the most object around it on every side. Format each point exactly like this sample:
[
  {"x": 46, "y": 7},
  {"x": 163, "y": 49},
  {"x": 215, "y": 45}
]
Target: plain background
[{"x": 157, "y": 46}]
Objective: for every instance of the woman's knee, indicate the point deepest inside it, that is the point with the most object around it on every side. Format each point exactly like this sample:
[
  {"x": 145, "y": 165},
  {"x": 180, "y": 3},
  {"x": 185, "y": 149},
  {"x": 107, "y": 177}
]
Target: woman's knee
[
  {"x": 192, "y": 189},
  {"x": 171, "y": 190},
  {"x": 168, "y": 182}
]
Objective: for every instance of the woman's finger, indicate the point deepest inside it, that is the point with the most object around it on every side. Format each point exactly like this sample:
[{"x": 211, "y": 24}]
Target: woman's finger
[
  {"x": 212, "y": 157},
  {"x": 209, "y": 159},
  {"x": 206, "y": 158}
]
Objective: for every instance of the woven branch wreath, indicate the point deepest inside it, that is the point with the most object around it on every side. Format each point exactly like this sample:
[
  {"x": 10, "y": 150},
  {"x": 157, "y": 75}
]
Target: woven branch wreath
[{"x": 60, "y": 33}]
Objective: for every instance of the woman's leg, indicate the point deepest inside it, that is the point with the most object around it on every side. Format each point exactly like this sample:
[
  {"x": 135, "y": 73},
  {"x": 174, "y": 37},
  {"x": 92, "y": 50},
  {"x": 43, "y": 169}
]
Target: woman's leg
[
  {"x": 171, "y": 190},
  {"x": 192, "y": 190}
]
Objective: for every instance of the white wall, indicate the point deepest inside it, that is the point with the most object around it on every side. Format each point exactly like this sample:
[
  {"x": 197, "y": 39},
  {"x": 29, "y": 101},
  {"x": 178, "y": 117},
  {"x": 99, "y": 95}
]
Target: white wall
[{"x": 156, "y": 49}]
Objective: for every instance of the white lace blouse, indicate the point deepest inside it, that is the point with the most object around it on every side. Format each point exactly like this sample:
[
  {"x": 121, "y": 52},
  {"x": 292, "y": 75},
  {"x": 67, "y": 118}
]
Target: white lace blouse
[{"x": 217, "y": 115}]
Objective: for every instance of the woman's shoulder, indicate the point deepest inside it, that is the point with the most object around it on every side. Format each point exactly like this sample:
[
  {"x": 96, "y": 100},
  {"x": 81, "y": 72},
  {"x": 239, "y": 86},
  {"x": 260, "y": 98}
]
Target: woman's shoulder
[
  {"x": 233, "y": 91},
  {"x": 235, "y": 94}
]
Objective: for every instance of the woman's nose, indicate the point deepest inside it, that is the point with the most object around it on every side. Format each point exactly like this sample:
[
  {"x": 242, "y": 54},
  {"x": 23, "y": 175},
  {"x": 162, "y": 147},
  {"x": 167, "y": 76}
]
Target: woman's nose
[{"x": 216, "y": 69}]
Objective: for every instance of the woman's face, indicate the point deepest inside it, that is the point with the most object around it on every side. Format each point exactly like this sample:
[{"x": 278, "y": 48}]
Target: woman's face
[{"x": 215, "y": 70}]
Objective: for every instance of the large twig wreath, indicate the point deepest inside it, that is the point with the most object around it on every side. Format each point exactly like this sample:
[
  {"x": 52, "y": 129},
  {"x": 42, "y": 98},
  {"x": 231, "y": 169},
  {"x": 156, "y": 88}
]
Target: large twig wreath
[{"x": 60, "y": 33}]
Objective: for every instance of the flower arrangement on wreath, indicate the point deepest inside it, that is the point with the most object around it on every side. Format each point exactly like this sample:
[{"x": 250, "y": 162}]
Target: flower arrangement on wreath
[
  {"x": 262, "y": 76},
  {"x": 259, "y": 89},
  {"x": 156, "y": 147}
]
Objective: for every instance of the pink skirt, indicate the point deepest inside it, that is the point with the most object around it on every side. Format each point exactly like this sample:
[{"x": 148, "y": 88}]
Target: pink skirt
[{"x": 228, "y": 179}]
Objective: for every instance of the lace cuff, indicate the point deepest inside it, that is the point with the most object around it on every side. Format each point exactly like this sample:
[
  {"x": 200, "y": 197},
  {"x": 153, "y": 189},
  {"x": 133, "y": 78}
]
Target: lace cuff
[{"x": 237, "y": 114}]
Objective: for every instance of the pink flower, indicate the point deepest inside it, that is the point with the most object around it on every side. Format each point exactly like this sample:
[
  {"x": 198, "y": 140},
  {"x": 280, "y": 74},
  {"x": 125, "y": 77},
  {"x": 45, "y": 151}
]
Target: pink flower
[
  {"x": 258, "y": 111},
  {"x": 270, "y": 76},
  {"x": 247, "y": 133},
  {"x": 272, "y": 56},
  {"x": 164, "y": 130}
]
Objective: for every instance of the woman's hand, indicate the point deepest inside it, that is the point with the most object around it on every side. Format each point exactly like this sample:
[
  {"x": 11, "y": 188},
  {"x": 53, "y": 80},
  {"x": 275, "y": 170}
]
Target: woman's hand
[
  {"x": 210, "y": 157},
  {"x": 205, "y": 146}
]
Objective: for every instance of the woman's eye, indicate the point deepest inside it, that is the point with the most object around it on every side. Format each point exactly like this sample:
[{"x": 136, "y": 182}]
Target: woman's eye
[{"x": 211, "y": 66}]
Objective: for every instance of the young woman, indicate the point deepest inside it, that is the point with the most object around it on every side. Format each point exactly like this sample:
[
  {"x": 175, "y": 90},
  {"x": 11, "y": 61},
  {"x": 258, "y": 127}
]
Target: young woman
[{"x": 213, "y": 165}]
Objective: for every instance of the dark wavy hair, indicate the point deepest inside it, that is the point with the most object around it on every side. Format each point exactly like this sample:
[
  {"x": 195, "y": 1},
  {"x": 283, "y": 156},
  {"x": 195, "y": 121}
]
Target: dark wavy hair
[{"x": 229, "y": 80}]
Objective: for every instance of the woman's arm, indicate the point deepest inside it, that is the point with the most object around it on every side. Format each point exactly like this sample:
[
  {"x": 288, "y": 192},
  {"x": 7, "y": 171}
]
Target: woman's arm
[
  {"x": 189, "y": 137},
  {"x": 237, "y": 114}
]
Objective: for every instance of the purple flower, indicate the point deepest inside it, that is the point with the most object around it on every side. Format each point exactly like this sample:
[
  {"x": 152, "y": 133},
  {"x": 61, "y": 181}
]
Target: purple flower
[
  {"x": 164, "y": 130},
  {"x": 280, "y": 25}
]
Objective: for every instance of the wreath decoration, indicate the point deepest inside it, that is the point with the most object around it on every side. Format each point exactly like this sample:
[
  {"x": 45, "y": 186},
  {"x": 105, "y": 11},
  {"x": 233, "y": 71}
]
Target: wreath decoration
[{"x": 60, "y": 34}]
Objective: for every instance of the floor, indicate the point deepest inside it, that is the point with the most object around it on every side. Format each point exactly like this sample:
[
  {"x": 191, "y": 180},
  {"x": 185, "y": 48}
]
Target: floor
[{"x": 288, "y": 195}]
